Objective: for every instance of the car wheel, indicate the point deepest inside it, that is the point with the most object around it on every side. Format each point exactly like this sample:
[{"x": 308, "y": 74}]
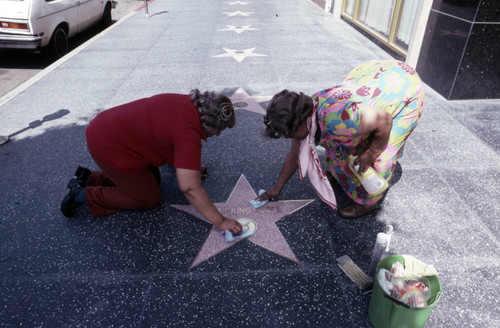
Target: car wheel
[
  {"x": 58, "y": 45},
  {"x": 106, "y": 16}
]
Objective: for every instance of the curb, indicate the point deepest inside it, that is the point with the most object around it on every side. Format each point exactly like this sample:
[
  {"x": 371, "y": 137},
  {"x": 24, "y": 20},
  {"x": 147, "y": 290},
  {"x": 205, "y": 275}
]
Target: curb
[{"x": 25, "y": 85}]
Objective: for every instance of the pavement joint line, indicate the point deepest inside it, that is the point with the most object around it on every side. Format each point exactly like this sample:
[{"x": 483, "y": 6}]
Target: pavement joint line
[{"x": 21, "y": 88}]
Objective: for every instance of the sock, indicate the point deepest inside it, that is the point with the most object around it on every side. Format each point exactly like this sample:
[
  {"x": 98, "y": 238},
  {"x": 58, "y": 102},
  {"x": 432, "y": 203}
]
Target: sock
[{"x": 80, "y": 197}]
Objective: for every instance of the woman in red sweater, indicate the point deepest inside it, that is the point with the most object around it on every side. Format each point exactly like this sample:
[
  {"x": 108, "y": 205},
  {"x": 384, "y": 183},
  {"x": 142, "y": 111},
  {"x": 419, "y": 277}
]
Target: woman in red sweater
[{"x": 129, "y": 142}]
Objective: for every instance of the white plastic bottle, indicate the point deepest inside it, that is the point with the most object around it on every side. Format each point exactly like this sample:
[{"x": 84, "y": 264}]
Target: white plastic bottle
[
  {"x": 371, "y": 180},
  {"x": 380, "y": 248}
]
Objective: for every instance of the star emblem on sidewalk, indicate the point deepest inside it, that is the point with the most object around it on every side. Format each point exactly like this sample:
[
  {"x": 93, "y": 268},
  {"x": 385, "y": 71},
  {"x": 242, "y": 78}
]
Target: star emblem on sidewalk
[
  {"x": 242, "y": 100},
  {"x": 244, "y": 3},
  {"x": 239, "y": 13},
  {"x": 267, "y": 236},
  {"x": 239, "y": 55},
  {"x": 238, "y": 29}
]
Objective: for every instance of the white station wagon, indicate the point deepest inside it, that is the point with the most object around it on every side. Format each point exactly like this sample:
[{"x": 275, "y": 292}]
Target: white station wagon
[{"x": 37, "y": 24}]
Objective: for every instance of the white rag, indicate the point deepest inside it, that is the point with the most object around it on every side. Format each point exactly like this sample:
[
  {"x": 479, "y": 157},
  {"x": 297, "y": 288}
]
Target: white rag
[
  {"x": 417, "y": 267},
  {"x": 309, "y": 164}
]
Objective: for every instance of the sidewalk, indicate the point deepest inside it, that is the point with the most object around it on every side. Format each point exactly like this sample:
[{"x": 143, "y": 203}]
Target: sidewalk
[{"x": 157, "y": 268}]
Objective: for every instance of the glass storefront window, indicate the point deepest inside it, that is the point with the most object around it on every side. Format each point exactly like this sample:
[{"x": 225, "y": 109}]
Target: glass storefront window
[
  {"x": 377, "y": 14},
  {"x": 349, "y": 7},
  {"x": 389, "y": 21},
  {"x": 405, "y": 28}
]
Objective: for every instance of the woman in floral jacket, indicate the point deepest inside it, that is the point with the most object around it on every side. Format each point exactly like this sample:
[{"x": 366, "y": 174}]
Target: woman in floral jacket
[{"x": 370, "y": 115}]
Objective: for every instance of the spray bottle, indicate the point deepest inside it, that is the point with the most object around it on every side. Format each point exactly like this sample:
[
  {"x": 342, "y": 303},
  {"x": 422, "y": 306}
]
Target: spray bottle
[
  {"x": 380, "y": 248},
  {"x": 371, "y": 180}
]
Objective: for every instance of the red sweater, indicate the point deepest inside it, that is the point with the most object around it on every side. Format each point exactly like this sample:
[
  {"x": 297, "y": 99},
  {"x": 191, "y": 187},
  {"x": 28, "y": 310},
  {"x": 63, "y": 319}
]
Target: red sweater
[{"x": 163, "y": 129}]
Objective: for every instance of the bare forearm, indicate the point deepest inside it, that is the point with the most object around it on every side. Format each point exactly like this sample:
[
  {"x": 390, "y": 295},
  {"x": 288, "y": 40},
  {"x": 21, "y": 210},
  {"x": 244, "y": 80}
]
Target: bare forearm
[
  {"x": 198, "y": 197},
  {"x": 189, "y": 184},
  {"x": 378, "y": 124},
  {"x": 287, "y": 171},
  {"x": 290, "y": 165},
  {"x": 381, "y": 135}
]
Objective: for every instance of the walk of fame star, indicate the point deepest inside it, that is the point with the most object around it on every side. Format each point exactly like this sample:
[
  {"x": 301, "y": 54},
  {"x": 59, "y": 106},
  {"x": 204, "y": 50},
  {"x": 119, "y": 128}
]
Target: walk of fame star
[
  {"x": 238, "y": 13},
  {"x": 241, "y": 100},
  {"x": 239, "y": 55},
  {"x": 267, "y": 236},
  {"x": 238, "y": 29}
]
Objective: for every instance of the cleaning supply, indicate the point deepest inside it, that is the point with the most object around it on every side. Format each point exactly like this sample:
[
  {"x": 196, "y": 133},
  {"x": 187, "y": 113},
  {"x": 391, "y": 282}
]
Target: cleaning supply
[
  {"x": 249, "y": 228},
  {"x": 371, "y": 180},
  {"x": 256, "y": 203},
  {"x": 387, "y": 311},
  {"x": 354, "y": 272},
  {"x": 380, "y": 248},
  {"x": 389, "y": 230}
]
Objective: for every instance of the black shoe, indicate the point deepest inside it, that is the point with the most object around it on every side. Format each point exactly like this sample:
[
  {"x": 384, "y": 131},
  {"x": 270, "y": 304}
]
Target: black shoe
[
  {"x": 75, "y": 185},
  {"x": 82, "y": 174}
]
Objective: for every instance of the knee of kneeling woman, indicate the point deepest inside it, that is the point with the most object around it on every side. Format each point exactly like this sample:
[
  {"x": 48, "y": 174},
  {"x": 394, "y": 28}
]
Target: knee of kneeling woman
[{"x": 151, "y": 202}]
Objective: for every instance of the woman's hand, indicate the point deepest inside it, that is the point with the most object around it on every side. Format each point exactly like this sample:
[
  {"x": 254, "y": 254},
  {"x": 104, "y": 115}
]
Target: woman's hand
[
  {"x": 231, "y": 225},
  {"x": 190, "y": 184},
  {"x": 271, "y": 194},
  {"x": 366, "y": 159}
]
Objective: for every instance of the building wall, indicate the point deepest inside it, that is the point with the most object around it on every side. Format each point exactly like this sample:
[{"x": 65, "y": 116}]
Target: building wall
[
  {"x": 320, "y": 3},
  {"x": 455, "y": 46},
  {"x": 460, "y": 53}
]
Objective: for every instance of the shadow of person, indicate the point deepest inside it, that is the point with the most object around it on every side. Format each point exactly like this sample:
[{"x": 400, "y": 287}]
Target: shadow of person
[
  {"x": 396, "y": 175},
  {"x": 32, "y": 125}
]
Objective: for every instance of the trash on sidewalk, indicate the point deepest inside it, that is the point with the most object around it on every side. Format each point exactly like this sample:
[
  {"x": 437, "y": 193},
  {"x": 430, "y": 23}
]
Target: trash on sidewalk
[{"x": 412, "y": 290}]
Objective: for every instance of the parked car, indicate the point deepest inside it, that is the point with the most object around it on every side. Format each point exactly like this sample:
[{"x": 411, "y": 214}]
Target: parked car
[{"x": 48, "y": 24}]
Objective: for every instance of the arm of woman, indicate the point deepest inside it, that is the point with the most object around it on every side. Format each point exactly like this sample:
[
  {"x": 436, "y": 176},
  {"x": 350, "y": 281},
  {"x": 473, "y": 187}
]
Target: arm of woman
[
  {"x": 290, "y": 165},
  {"x": 377, "y": 123},
  {"x": 190, "y": 184}
]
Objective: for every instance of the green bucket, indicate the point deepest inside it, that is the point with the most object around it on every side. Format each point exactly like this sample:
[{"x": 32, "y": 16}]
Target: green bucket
[{"x": 387, "y": 312}]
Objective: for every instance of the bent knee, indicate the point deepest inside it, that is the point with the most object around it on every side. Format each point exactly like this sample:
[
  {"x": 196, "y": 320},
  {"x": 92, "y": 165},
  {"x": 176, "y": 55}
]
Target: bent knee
[{"x": 151, "y": 202}]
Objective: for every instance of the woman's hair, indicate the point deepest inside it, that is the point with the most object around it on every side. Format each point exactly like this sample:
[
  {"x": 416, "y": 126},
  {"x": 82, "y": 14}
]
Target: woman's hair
[
  {"x": 285, "y": 113},
  {"x": 215, "y": 110}
]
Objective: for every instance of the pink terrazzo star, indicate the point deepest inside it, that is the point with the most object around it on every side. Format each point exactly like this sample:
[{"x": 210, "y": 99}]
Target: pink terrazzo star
[
  {"x": 242, "y": 100},
  {"x": 267, "y": 235}
]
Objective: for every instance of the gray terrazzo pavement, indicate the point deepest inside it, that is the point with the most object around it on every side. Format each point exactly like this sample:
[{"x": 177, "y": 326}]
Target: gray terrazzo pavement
[{"x": 132, "y": 269}]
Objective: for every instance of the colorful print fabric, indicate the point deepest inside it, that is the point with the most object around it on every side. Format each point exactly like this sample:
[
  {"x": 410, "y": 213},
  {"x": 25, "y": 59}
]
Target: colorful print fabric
[{"x": 390, "y": 85}]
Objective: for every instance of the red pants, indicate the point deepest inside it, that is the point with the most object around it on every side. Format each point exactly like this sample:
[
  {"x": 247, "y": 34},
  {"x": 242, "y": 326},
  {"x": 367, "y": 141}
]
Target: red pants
[{"x": 111, "y": 191}]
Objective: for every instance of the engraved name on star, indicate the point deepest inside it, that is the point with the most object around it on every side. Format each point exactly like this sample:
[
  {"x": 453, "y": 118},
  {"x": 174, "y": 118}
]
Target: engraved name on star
[
  {"x": 239, "y": 55},
  {"x": 267, "y": 235},
  {"x": 238, "y": 29},
  {"x": 239, "y": 13}
]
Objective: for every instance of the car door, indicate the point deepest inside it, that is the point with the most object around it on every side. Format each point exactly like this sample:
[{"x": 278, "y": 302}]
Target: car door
[
  {"x": 89, "y": 12},
  {"x": 46, "y": 15}
]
